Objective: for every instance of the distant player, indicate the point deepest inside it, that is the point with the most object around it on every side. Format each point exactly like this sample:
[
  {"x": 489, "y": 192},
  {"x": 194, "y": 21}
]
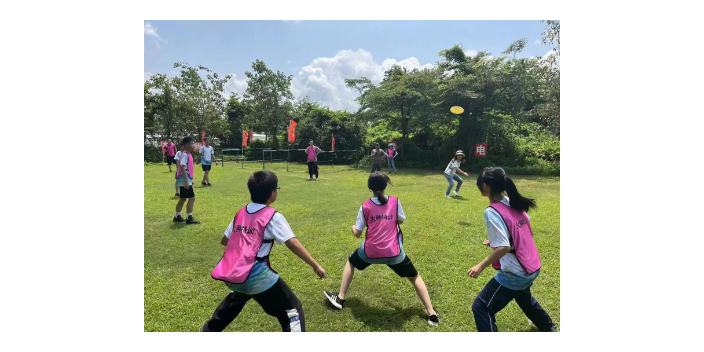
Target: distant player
[
  {"x": 313, "y": 152},
  {"x": 169, "y": 153},
  {"x": 206, "y": 161}
]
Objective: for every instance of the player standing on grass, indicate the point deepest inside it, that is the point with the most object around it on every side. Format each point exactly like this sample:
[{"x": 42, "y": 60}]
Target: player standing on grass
[
  {"x": 377, "y": 158},
  {"x": 169, "y": 153},
  {"x": 206, "y": 161},
  {"x": 184, "y": 177},
  {"x": 313, "y": 152}
]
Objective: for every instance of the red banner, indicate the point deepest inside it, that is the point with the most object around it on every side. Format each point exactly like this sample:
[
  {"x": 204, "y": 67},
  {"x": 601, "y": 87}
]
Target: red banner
[
  {"x": 245, "y": 136},
  {"x": 203, "y": 136},
  {"x": 333, "y": 142},
  {"x": 292, "y": 131},
  {"x": 480, "y": 150}
]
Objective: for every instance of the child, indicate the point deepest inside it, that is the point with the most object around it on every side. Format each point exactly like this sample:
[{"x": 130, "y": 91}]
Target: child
[
  {"x": 451, "y": 174},
  {"x": 169, "y": 151},
  {"x": 245, "y": 266},
  {"x": 377, "y": 158},
  {"x": 312, "y": 152},
  {"x": 206, "y": 161},
  {"x": 391, "y": 155},
  {"x": 383, "y": 244},
  {"x": 184, "y": 179},
  {"x": 515, "y": 254}
]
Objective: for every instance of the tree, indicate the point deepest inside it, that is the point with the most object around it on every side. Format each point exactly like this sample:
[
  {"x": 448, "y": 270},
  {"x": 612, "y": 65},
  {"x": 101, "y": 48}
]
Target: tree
[
  {"x": 269, "y": 96},
  {"x": 237, "y": 110}
]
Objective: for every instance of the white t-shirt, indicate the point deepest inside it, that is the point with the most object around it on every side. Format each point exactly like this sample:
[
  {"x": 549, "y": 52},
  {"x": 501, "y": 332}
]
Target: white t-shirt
[
  {"x": 498, "y": 237},
  {"x": 452, "y": 167},
  {"x": 183, "y": 160},
  {"x": 278, "y": 229},
  {"x": 207, "y": 153},
  {"x": 362, "y": 223}
]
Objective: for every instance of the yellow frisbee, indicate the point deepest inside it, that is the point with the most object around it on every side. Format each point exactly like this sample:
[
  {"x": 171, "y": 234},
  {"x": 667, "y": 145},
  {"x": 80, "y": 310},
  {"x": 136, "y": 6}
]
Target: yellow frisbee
[{"x": 456, "y": 110}]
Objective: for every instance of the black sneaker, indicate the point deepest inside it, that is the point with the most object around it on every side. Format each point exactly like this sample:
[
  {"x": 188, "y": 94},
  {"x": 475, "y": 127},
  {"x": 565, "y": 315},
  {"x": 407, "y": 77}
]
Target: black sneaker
[
  {"x": 178, "y": 219},
  {"x": 335, "y": 300},
  {"x": 191, "y": 221},
  {"x": 434, "y": 319}
]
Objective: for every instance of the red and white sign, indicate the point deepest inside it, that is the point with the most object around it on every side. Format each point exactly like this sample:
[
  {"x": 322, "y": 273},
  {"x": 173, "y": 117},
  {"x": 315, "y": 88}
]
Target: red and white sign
[{"x": 480, "y": 150}]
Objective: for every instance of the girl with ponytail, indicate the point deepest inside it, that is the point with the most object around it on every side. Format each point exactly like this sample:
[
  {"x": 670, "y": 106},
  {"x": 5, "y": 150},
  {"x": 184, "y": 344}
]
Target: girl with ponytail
[
  {"x": 515, "y": 254},
  {"x": 382, "y": 215}
]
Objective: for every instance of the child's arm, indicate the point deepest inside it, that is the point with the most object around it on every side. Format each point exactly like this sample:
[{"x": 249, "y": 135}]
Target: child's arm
[
  {"x": 494, "y": 257},
  {"x": 356, "y": 232},
  {"x": 300, "y": 251}
]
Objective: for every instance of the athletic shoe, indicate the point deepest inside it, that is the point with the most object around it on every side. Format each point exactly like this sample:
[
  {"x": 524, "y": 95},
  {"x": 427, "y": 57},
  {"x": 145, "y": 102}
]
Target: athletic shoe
[
  {"x": 191, "y": 221},
  {"x": 447, "y": 196},
  {"x": 310, "y": 178},
  {"x": 177, "y": 195},
  {"x": 434, "y": 320},
  {"x": 553, "y": 328},
  {"x": 210, "y": 184},
  {"x": 178, "y": 219},
  {"x": 335, "y": 300},
  {"x": 316, "y": 179},
  {"x": 457, "y": 193},
  {"x": 203, "y": 183}
]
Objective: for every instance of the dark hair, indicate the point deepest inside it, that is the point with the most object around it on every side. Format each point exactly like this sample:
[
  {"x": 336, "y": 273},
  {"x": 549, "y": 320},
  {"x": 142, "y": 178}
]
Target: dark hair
[
  {"x": 377, "y": 183},
  {"x": 206, "y": 139},
  {"x": 261, "y": 184},
  {"x": 499, "y": 182},
  {"x": 186, "y": 140}
]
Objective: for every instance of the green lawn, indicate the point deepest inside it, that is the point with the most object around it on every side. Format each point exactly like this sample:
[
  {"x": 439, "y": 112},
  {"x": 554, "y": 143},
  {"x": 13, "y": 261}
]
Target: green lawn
[{"x": 442, "y": 236}]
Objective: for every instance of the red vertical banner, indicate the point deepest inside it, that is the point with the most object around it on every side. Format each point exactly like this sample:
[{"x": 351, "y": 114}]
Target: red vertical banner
[
  {"x": 333, "y": 142},
  {"x": 480, "y": 149},
  {"x": 245, "y": 136},
  {"x": 292, "y": 133},
  {"x": 203, "y": 137}
]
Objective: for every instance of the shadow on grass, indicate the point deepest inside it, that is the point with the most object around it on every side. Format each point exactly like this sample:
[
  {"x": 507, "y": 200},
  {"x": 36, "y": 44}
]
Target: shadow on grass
[
  {"x": 390, "y": 319},
  {"x": 464, "y": 223}
]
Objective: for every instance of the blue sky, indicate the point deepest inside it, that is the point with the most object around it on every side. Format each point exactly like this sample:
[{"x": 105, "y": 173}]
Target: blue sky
[{"x": 321, "y": 54}]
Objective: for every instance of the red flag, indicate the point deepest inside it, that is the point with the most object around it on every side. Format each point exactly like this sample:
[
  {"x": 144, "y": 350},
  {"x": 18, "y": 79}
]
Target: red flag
[
  {"x": 245, "y": 136},
  {"x": 203, "y": 137},
  {"x": 333, "y": 142},
  {"x": 292, "y": 131},
  {"x": 251, "y": 134}
]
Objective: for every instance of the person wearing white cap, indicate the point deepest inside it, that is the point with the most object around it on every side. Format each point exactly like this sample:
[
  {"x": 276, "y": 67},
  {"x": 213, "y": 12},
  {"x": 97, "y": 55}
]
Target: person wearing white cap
[{"x": 451, "y": 174}]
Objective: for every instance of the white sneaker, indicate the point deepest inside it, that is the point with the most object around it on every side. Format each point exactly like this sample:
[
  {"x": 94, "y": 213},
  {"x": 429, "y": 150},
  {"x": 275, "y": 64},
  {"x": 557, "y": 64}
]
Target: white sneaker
[
  {"x": 447, "y": 196},
  {"x": 310, "y": 178},
  {"x": 457, "y": 193}
]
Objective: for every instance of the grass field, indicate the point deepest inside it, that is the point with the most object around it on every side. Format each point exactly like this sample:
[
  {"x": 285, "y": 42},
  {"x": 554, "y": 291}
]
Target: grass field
[{"x": 442, "y": 236}]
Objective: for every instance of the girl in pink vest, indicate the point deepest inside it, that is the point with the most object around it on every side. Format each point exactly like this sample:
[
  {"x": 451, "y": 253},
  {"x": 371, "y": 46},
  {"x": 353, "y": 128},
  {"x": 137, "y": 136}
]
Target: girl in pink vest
[
  {"x": 383, "y": 244},
  {"x": 245, "y": 266},
  {"x": 515, "y": 254}
]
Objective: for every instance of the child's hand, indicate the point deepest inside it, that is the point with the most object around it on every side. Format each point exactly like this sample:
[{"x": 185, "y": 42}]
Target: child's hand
[
  {"x": 486, "y": 243},
  {"x": 319, "y": 271},
  {"x": 475, "y": 272}
]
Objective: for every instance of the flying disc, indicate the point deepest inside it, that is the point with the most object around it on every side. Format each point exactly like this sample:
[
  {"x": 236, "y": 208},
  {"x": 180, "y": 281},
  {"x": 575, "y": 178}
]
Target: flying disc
[{"x": 456, "y": 110}]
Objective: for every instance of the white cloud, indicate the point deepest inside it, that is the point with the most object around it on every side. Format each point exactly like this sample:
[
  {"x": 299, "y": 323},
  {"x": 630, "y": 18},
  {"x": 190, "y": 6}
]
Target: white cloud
[
  {"x": 548, "y": 55},
  {"x": 324, "y": 79},
  {"x": 151, "y": 31},
  {"x": 471, "y": 53},
  {"x": 539, "y": 42},
  {"x": 235, "y": 85},
  {"x": 147, "y": 76}
]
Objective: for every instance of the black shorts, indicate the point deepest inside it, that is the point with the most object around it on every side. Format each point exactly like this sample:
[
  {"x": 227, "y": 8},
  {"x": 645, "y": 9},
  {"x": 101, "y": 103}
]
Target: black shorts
[
  {"x": 403, "y": 269},
  {"x": 206, "y": 167},
  {"x": 187, "y": 193},
  {"x": 171, "y": 159}
]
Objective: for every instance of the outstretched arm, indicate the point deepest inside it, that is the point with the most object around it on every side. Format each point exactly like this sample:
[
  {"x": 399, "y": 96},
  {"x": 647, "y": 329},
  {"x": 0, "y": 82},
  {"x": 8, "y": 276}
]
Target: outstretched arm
[{"x": 300, "y": 251}]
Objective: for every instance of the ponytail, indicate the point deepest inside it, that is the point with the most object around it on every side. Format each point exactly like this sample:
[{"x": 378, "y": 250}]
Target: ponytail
[
  {"x": 381, "y": 197},
  {"x": 516, "y": 200}
]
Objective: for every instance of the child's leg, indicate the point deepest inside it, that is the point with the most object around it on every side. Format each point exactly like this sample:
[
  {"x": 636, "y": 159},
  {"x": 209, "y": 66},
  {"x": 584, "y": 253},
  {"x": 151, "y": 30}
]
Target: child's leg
[
  {"x": 490, "y": 301},
  {"x": 316, "y": 169},
  {"x": 422, "y": 292},
  {"x": 310, "y": 170},
  {"x": 189, "y": 207},
  {"x": 347, "y": 275},
  {"x": 207, "y": 176},
  {"x": 452, "y": 183},
  {"x": 179, "y": 205},
  {"x": 532, "y": 309},
  {"x": 280, "y": 302},
  {"x": 226, "y": 312},
  {"x": 176, "y": 186},
  {"x": 459, "y": 182}
]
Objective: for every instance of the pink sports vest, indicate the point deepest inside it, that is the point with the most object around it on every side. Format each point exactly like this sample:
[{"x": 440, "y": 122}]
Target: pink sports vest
[
  {"x": 190, "y": 167},
  {"x": 311, "y": 153},
  {"x": 170, "y": 149},
  {"x": 390, "y": 153},
  {"x": 520, "y": 237},
  {"x": 245, "y": 241},
  {"x": 381, "y": 240}
]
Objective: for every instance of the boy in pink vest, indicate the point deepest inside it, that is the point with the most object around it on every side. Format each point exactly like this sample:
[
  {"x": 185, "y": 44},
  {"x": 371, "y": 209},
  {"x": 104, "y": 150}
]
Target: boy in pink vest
[
  {"x": 245, "y": 266},
  {"x": 184, "y": 179},
  {"x": 312, "y": 152},
  {"x": 515, "y": 254},
  {"x": 169, "y": 152},
  {"x": 382, "y": 216}
]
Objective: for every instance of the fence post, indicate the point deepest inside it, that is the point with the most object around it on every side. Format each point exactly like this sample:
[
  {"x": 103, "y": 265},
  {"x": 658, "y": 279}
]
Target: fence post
[
  {"x": 263, "y": 160},
  {"x": 333, "y": 159},
  {"x": 242, "y": 158}
]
